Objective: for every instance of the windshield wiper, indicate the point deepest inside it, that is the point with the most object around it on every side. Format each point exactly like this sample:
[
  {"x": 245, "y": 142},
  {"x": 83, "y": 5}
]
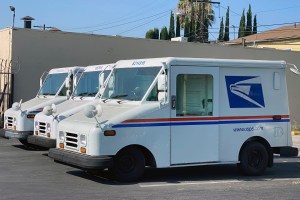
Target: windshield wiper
[
  {"x": 119, "y": 96},
  {"x": 115, "y": 97}
]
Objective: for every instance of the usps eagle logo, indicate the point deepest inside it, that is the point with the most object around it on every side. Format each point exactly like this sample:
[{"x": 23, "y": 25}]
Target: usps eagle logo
[{"x": 245, "y": 92}]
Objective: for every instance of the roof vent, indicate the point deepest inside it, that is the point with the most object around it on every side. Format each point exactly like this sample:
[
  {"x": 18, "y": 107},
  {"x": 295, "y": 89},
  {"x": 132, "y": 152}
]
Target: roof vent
[{"x": 27, "y": 21}]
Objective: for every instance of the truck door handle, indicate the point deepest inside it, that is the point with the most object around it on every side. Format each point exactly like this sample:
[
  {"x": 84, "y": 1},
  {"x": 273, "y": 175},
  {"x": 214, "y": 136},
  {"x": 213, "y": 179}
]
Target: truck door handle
[{"x": 173, "y": 102}]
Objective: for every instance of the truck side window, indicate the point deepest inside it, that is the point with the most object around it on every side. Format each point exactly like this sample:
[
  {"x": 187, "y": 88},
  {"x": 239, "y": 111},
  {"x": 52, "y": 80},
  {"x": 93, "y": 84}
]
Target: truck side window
[
  {"x": 194, "y": 94},
  {"x": 153, "y": 96}
]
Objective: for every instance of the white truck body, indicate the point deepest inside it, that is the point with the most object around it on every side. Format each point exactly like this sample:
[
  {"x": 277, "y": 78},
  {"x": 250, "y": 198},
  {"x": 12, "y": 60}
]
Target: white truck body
[
  {"x": 87, "y": 92},
  {"x": 18, "y": 120},
  {"x": 171, "y": 112}
]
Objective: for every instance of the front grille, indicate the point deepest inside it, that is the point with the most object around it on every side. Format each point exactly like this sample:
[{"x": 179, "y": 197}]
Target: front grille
[
  {"x": 10, "y": 121},
  {"x": 72, "y": 140},
  {"x": 42, "y": 128}
]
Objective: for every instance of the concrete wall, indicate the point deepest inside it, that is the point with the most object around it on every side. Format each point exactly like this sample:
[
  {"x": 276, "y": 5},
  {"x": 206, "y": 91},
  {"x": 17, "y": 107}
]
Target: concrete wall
[{"x": 38, "y": 51}]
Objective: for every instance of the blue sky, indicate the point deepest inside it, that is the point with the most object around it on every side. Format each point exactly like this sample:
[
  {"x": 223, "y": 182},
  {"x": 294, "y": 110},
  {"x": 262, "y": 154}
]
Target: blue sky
[{"x": 134, "y": 17}]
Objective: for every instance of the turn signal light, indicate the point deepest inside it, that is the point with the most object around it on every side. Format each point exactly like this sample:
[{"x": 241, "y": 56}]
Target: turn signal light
[
  {"x": 110, "y": 133},
  {"x": 14, "y": 127},
  {"x": 36, "y": 132},
  {"x": 48, "y": 135},
  {"x": 61, "y": 145},
  {"x": 30, "y": 116},
  {"x": 5, "y": 126},
  {"x": 83, "y": 150}
]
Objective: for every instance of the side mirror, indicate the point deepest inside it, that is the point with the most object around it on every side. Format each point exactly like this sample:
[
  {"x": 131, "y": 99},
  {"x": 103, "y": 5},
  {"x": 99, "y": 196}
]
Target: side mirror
[
  {"x": 49, "y": 110},
  {"x": 68, "y": 93},
  {"x": 101, "y": 80},
  {"x": 294, "y": 69},
  {"x": 41, "y": 82},
  {"x": 162, "y": 87},
  {"x": 67, "y": 82},
  {"x": 16, "y": 106},
  {"x": 91, "y": 111}
]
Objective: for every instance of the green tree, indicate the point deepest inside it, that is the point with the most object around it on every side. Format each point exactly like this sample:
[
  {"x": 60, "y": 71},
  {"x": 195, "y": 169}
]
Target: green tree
[
  {"x": 249, "y": 22},
  {"x": 186, "y": 7},
  {"x": 164, "y": 33},
  {"x": 226, "y": 34},
  {"x": 155, "y": 33},
  {"x": 221, "y": 31},
  {"x": 177, "y": 27},
  {"x": 254, "y": 25},
  {"x": 242, "y": 26},
  {"x": 172, "y": 26},
  {"x": 192, "y": 26},
  {"x": 149, "y": 34},
  {"x": 186, "y": 28}
]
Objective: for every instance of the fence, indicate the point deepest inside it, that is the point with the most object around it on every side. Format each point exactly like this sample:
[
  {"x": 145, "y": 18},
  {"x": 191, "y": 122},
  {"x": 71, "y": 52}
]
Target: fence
[{"x": 7, "y": 70}]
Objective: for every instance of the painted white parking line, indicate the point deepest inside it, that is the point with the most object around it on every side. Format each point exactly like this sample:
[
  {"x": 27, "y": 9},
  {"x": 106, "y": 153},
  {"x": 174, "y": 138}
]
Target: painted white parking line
[{"x": 294, "y": 180}]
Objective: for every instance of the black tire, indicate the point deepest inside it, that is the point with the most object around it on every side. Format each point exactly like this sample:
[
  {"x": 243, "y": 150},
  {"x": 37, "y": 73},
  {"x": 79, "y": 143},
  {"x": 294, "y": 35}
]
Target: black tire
[
  {"x": 129, "y": 165},
  {"x": 253, "y": 159}
]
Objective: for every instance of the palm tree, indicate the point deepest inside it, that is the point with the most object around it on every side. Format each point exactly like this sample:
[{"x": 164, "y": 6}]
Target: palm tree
[{"x": 195, "y": 11}]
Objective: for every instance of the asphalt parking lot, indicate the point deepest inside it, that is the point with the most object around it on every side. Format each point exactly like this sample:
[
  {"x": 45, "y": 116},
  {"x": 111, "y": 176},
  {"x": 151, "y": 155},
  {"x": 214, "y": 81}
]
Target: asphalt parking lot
[{"x": 27, "y": 174}]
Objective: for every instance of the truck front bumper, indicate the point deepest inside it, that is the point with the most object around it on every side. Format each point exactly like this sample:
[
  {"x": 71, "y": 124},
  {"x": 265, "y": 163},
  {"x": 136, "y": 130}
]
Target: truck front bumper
[
  {"x": 80, "y": 160},
  {"x": 21, "y": 135},
  {"x": 41, "y": 141}
]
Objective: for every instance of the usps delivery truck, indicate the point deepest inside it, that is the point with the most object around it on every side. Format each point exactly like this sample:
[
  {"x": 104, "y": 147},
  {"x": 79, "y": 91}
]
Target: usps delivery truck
[
  {"x": 54, "y": 89},
  {"x": 87, "y": 92},
  {"x": 175, "y": 112}
]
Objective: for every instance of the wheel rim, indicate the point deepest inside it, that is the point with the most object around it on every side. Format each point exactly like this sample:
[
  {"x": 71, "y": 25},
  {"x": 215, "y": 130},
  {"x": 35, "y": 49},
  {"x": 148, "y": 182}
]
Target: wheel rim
[
  {"x": 126, "y": 163},
  {"x": 254, "y": 158}
]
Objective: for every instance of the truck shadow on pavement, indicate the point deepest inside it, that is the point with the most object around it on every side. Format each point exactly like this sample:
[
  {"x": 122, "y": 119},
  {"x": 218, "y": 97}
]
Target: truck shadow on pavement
[{"x": 282, "y": 170}]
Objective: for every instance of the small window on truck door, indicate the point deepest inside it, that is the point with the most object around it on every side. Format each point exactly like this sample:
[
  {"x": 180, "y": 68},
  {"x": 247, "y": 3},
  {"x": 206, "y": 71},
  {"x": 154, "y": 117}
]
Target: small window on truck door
[{"x": 194, "y": 95}]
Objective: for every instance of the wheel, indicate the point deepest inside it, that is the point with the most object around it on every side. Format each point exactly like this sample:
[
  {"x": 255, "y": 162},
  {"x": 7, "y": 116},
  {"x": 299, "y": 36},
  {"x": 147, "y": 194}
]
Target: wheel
[
  {"x": 253, "y": 159},
  {"x": 129, "y": 165}
]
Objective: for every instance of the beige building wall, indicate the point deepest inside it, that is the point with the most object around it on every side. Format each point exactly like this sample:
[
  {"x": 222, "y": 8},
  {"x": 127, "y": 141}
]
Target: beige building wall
[
  {"x": 5, "y": 67},
  {"x": 38, "y": 51}
]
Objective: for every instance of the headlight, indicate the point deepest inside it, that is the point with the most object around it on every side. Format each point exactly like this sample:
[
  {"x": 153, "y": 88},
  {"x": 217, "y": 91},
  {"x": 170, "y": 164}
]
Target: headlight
[
  {"x": 61, "y": 136},
  {"x": 48, "y": 128},
  {"x": 82, "y": 140},
  {"x": 15, "y": 121},
  {"x": 36, "y": 125}
]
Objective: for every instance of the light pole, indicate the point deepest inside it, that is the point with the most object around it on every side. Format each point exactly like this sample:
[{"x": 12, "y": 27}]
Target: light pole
[{"x": 14, "y": 11}]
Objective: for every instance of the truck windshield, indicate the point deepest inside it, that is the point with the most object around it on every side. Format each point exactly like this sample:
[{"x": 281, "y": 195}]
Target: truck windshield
[
  {"x": 52, "y": 84},
  {"x": 130, "y": 83},
  {"x": 88, "y": 85}
]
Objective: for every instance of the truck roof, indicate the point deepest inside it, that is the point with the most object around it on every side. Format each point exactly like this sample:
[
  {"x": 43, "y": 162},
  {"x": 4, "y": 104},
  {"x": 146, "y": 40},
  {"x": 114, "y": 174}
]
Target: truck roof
[
  {"x": 207, "y": 62},
  {"x": 66, "y": 69},
  {"x": 99, "y": 67}
]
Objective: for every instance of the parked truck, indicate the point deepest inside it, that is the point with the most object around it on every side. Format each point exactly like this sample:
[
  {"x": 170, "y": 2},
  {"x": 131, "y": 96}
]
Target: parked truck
[
  {"x": 87, "y": 92},
  {"x": 55, "y": 88},
  {"x": 176, "y": 112}
]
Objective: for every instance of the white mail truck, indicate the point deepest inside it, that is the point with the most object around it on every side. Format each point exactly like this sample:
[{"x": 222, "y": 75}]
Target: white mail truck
[
  {"x": 87, "y": 92},
  {"x": 175, "y": 112},
  {"x": 54, "y": 89}
]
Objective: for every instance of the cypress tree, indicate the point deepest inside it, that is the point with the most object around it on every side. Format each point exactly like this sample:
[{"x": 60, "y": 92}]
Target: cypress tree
[
  {"x": 192, "y": 25},
  {"x": 155, "y": 33},
  {"x": 186, "y": 28},
  {"x": 221, "y": 31},
  {"x": 249, "y": 22},
  {"x": 242, "y": 26},
  {"x": 172, "y": 26},
  {"x": 254, "y": 25},
  {"x": 177, "y": 27},
  {"x": 226, "y": 35},
  {"x": 164, "y": 33}
]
